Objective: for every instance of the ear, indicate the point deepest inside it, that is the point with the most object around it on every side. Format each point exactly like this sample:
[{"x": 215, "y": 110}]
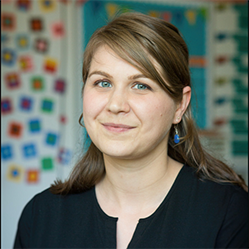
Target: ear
[{"x": 182, "y": 106}]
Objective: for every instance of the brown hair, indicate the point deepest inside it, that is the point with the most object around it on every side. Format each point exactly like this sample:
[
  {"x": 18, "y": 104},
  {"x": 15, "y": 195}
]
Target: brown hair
[{"x": 137, "y": 38}]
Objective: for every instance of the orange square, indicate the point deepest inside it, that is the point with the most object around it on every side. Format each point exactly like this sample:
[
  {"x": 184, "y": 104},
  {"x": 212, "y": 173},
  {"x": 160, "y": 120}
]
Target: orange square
[
  {"x": 50, "y": 65},
  {"x": 32, "y": 176}
]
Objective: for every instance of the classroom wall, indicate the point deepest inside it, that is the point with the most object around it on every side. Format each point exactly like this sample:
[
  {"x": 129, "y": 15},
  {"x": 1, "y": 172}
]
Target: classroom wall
[
  {"x": 41, "y": 57},
  {"x": 40, "y": 101}
]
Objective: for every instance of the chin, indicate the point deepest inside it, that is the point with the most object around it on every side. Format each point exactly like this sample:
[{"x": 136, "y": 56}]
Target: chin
[{"x": 118, "y": 153}]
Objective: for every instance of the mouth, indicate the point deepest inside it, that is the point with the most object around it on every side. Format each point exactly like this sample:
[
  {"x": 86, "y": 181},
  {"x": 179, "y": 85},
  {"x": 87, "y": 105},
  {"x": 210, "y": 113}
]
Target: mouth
[{"x": 117, "y": 127}]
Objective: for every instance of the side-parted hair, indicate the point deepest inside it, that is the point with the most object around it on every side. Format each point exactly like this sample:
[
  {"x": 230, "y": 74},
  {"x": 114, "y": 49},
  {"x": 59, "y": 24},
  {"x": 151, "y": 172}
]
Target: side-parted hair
[{"x": 141, "y": 40}]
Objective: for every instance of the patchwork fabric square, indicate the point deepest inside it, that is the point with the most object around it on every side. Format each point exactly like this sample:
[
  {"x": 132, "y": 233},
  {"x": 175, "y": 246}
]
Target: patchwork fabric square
[
  {"x": 47, "y": 105},
  {"x": 50, "y": 65},
  {"x": 26, "y": 103},
  {"x": 36, "y": 24},
  {"x": 60, "y": 86},
  {"x": 41, "y": 45},
  {"x": 51, "y": 139},
  {"x": 29, "y": 150},
  {"x": 47, "y": 5},
  {"x": 37, "y": 83},
  {"x": 12, "y": 81},
  {"x": 6, "y": 106},
  {"x": 23, "y": 5},
  {"x": 58, "y": 29},
  {"x": 15, "y": 173},
  {"x": 26, "y": 63},
  {"x": 32, "y": 176},
  {"x": 47, "y": 163},
  {"x": 6, "y": 152},
  {"x": 64, "y": 156},
  {"x": 8, "y": 57},
  {"x": 22, "y": 41},
  {"x": 35, "y": 125},
  {"x": 8, "y": 21},
  {"x": 15, "y": 129}
]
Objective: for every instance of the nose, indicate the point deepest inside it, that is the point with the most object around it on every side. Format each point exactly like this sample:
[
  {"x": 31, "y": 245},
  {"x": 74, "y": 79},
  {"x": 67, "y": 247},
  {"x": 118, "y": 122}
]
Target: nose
[{"x": 118, "y": 102}]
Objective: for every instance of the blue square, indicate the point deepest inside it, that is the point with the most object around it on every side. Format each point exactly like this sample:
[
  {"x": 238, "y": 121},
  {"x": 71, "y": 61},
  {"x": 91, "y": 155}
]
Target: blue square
[
  {"x": 8, "y": 57},
  {"x": 29, "y": 150},
  {"x": 6, "y": 106},
  {"x": 51, "y": 139},
  {"x": 6, "y": 152},
  {"x": 34, "y": 125},
  {"x": 47, "y": 105},
  {"x": 64, "y": 156}
]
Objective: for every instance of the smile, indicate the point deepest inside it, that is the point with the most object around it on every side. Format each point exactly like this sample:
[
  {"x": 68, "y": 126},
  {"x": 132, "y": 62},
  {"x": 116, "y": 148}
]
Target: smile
[{"x": 117, "y": 127}]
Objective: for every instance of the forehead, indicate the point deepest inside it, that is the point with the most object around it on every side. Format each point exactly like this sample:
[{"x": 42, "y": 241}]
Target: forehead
[
  {"x": 103, "y": 54},
  {"x": 104, "y": 57}
]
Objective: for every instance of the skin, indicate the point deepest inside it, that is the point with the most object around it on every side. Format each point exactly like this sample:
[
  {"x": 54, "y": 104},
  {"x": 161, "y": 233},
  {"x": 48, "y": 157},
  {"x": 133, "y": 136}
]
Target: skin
[{"x": 128, "y": 117}]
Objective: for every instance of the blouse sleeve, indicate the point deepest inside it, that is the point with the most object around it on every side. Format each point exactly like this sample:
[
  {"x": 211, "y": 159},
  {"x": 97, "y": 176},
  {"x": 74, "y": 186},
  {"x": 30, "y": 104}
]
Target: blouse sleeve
[
  {"x": 234, "y": 230},
  {"x": 24, "y": 227}
]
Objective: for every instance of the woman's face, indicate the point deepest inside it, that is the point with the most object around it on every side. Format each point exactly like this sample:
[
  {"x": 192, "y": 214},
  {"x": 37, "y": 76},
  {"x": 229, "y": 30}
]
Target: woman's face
[{"x": 126, "y": 115}]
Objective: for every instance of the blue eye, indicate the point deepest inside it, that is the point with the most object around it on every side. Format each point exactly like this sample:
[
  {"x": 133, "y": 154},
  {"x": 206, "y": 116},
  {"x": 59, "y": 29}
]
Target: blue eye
[
  {"x": 104, "y": 84},
  {"x": 141, "y": 87}
]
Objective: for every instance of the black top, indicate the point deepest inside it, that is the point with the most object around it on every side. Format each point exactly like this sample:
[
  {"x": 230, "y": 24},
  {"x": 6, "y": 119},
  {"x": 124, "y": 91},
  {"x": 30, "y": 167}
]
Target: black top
[{"x": 194, "y": 214}]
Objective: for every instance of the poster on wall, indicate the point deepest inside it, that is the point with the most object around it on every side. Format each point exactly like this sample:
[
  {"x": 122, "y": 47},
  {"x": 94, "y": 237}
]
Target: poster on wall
[{"x": 191, "y": 20}]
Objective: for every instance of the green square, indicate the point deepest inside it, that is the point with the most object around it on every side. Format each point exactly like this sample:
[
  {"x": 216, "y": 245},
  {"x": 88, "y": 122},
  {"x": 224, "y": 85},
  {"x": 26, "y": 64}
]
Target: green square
[
  {"x": 37, "y": 83},
  {"x": 47, "y": 163},
  {"x": 47, "y": 105}
]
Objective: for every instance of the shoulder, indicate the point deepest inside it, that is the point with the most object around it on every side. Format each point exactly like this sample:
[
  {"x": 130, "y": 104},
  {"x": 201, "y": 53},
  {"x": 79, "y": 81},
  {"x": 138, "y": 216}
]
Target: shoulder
[
  {"x": 47, "y": 198},
  {"x": 210, "y": 192},
  {"x": 60, "y": 212},
  {"x": 222, "y": 207},
  {"x": 45, "y": 203}
]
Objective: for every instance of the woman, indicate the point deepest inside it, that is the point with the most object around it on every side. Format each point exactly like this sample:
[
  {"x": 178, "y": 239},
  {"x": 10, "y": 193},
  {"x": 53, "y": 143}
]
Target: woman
[{"x": 145, "y": 181}]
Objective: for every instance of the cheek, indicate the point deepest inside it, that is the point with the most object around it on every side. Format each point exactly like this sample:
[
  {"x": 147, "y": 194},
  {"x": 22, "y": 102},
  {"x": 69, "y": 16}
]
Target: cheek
[
  {"x": 92, "y": 104},
  {"x": 155, "y": 109}
]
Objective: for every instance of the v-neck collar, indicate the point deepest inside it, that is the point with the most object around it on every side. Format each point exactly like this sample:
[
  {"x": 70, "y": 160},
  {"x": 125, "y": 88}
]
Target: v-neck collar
[{"x": 110, "y": 223}]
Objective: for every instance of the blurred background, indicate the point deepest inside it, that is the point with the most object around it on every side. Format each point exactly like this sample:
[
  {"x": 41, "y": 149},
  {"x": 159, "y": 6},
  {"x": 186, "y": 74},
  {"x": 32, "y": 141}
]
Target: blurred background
[{"x": 42, "y": 43}]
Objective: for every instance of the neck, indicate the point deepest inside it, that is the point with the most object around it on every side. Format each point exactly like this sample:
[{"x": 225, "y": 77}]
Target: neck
[{"x": 134, "y": 184}]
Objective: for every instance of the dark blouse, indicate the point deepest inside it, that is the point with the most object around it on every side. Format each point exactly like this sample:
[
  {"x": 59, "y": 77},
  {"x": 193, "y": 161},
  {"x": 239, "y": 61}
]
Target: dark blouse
[{"x": 194, "y": 214}]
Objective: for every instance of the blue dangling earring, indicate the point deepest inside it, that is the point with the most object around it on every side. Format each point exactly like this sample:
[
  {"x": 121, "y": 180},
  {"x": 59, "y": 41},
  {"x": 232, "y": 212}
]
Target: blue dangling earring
[{"x": 176, "y": 136}]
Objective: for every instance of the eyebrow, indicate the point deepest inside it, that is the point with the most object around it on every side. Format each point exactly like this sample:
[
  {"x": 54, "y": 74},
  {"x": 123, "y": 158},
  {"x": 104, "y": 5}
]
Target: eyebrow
[{"x": 132, "y": 77}]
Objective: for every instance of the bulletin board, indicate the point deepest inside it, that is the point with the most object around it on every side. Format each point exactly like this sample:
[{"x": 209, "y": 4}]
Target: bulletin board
[
  {"x": 34, "y": 90},
  {"x": 191, "y": 20}
]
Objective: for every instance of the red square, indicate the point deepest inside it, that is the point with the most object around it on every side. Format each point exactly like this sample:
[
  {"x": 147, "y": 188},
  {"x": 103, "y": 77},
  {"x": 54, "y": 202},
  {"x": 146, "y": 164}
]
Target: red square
[
  {"x": 36, "y": 24},
  {"x": 58, "y": 29},
  {"x": 15, "y": 130},
  {"x": 167, "y": 16},
  {"x": 8, "y": 22}
]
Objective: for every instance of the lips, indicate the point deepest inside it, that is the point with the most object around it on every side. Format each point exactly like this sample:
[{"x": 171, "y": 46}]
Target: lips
[{"x": 117, "y": 127}]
